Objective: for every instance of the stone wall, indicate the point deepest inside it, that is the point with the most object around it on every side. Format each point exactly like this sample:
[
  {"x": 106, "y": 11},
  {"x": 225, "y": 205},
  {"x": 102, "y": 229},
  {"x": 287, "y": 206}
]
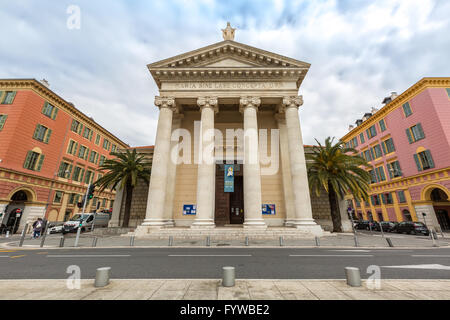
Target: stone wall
[{"x": 138, "y": 205}]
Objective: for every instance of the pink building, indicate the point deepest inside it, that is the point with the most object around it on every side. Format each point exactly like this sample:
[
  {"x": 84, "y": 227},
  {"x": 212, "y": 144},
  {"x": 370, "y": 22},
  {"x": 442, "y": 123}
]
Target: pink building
[{"x": 407, "y": 142}]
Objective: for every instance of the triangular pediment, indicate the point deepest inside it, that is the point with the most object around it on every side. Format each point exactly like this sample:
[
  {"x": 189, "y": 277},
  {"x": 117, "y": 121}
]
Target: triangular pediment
[
  {"x": 228, "y": 63},
  {"x": 231, "y": 59}
]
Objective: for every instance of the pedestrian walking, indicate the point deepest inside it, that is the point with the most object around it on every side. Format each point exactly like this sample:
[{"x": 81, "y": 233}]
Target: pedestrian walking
[{"x": 37, "y": 227}]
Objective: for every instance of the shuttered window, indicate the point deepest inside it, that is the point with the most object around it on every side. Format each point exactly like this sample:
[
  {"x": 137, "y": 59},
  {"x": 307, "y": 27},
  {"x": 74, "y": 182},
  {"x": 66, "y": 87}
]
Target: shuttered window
[
  {"x": 401, "y": 196},
  {"x": 34, "y": 161},
  {"x": 42, "y": 133},
  {"x": 407, "y": 109},
  {"x": 378, "y": 152},
  {"x": 415, "y": 133},
  {"x": 380, "y": 174},
  {"x": 72, "y": 149},
  {"x": 8, "y": 97},
  {"x": 361, "y": 138},
  {"x": 382, "y": 125},
  {"x": 388, "y": 146},
  {"x": 49, "y": 110},
  {"x": 65, "y": 170},
  {"x": 394, "y": 169},
  {"x": 371, "y": 132}
]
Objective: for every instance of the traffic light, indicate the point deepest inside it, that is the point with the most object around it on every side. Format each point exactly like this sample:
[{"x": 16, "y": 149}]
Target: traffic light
[{"x": 90, "y": 194}]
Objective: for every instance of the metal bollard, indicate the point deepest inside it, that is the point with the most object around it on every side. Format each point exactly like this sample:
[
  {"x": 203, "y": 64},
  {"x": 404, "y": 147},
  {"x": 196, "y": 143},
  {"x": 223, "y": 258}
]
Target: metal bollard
[
  {"x": 94, "y": 242},
  {"x": 24, "y": 232},
  {"x": 208, "y": 241},
  {"x": 317, "y": 242},
  {"x": 433, "y": 234},
  {"x": 246, "y": 241},
  {"x": 353, "y": 276},
  {"x": 102, "y": 277},
  {"x": 389, "y": 242},
  {"x": 170, "y": 241},
  {"x": 44, "y": 234},
  {"x": 7, "y": 234},
  {"x": 281, "y": 242},
  {"x": 228, "y": 276},
  {"x": 356, "y": 241},
  {"x": 61, "y": 241},
  {"x": 131, "y": 241}
]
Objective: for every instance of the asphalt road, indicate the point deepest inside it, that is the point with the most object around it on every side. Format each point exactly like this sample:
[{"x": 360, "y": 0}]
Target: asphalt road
[{"x": 207, "y": 263}]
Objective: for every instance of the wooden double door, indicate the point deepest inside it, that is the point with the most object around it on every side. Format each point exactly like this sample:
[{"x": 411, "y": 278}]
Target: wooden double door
[{"x": 229, "y": 208}]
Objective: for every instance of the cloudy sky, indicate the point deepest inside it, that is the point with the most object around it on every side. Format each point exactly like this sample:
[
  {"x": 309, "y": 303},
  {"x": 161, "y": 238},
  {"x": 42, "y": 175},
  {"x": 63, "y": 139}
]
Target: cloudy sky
[{"x": 359, "y": 50}]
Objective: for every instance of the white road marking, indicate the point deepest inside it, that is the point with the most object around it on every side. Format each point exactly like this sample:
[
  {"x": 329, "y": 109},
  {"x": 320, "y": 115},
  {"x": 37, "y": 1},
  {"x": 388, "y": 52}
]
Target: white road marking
[
  {"x": 421, "y": 266},
  {"x": 351, "y": 250},
  {"x": 88, "y": 255},
  {"x": 431, "y": 255},
  {"x": 209, "y": 255},
  {"x": 4, "y": 256},
  {"x": 331, "y": 255}
]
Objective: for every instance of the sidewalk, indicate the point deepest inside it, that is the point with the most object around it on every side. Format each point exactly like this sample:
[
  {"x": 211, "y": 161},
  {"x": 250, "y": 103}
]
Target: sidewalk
[
  {"x": 374, "y": 240},
  {"x": 145, "y": 289}
]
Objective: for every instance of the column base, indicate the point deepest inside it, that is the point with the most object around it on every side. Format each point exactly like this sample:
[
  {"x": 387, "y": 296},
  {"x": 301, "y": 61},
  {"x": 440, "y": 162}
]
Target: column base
[
  {"x": 203, "y": 224},
  {"x": 289, "y": 223},
  {"x": 308, "y": 226},
  {"x": 170, "y": 223},
  {"x": 158, "y": 223},
  {"x": 255, "y": 224}
]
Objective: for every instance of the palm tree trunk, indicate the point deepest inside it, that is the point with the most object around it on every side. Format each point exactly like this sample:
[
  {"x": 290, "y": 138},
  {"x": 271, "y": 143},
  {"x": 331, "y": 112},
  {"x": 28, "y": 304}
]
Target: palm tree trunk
[
  {"x": 335, "y": 214},
  {"x": 129, "y": 195}
]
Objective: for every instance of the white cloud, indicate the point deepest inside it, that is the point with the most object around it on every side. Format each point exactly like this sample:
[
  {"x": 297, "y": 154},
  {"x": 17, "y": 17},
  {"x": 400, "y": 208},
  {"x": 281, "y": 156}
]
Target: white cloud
[{"x": 359, "y": 51}]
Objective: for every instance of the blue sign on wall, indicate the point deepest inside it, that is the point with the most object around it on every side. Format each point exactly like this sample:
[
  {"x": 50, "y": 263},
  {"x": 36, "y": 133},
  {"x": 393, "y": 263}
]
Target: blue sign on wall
[
  {"x": 228, "y": 185},
  {"x": 268, "y": 209},
  {"x": 189, "y": 209}
]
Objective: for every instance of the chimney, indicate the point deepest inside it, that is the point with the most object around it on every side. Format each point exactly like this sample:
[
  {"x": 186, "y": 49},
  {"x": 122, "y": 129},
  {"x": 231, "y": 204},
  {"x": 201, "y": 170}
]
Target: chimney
[
  {"x": 45, "y": 83},
  {"x": 374, "y": 110},
  {"x": 366, "y": 116},
  {"x": 350, "y": 127},
  {"x": 394, "y": 95},
  {"x": 358, "y": 122}
]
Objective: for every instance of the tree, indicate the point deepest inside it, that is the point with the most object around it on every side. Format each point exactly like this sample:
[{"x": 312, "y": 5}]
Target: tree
[
  {"x": 338, "y": 170},
  {"x": 125, "y": 170}
]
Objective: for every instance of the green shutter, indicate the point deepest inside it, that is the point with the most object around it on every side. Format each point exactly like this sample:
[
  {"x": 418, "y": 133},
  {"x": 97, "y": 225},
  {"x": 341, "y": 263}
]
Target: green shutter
[
  {"x": 27, "y": 159},
  {"x": 372, "y": 154},
  {"x": 75, "y": 149},
  {"x": 87, "y": 154},
  {"x": 36, "y": 131},
  {"x": 80, "y": 129},
  {"x": 408, "y": 134},
  {"x": 61, "y": 172},
  {"x": 419, "y": 127},
  {"x": 419, "y": 166},
  {"x": 382, "y": 174},
  {"x": 41, "y": 160},
  {"x": 430, "y": 159},
  {"x": 11, "y": 100},
  {"x": 383, "y": 145},
  {"x": 70, "y": 171},
  {"x": 47, "y": 136},
  {"x": 44, "y": 109},
  {"x": 390, "y": 168},
  {"x": 55, "y": 112},
  {"x": 2, "y": 120}
]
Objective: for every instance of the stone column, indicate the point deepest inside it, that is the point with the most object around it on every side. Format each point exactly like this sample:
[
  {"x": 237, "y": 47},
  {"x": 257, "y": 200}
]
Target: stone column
[
  {"x": 252, "y": 173},
  {"x": 171, "y": 177},
  {"x": 206, "y": 168},
  {"x": 117, "y": 206},
  {"x": 154, "y": 216},
  {"x": 286, "y": 170},
  {"x": 303, "y": 212}
]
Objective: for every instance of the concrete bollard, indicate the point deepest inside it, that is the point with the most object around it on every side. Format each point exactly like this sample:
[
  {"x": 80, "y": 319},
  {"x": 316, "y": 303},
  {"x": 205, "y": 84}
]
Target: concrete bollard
[
  {"x": 94, "y": 242},
  {"x": 61, "y": 241},
  {"x": 170, "y": 241},
  {"x": 281, "y": 241},
  {"x": 208, "y": 241},
  {"x": 356, "y": 241},
  {"x": 228, "y": 276},
  {"x": 7, "y": 234},
  {"x": 317, "y": 242},
  {"x": 102, "y": 277},
  {"x": 246, "y": 241},
  {"x": 131, "y": 241},
  {"x": 389, "y": 241},
  {"x": 353, "y": 276},
  {"x": 24, "y": 232}
]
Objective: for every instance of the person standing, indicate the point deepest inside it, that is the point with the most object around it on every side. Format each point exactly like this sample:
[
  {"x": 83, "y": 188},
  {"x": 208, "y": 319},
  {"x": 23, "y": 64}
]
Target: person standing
[{"x": 37, "y": 227}]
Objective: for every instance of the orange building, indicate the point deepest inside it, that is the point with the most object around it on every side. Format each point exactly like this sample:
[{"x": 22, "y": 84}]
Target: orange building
[{"x": 49, "y": 153}]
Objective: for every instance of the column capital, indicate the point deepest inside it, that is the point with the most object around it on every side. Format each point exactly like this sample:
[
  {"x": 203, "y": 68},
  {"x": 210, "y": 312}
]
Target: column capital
[
  {"x": 249, "y": 102},
  {"x": 166, "y": 102},
  {"x": 291, "y": 102},
  {"x": 208, "y": 102}
]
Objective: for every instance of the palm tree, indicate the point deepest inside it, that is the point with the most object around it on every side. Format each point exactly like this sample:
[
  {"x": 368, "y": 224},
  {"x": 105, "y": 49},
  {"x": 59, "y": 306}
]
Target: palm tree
[
  {"x": 338, "y": 170},
  {"x": 125, "y": 170}
]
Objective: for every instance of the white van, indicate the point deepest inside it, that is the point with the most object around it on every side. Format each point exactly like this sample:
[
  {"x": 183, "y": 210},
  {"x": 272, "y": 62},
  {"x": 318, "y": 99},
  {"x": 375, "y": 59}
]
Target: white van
[{"x": 88, "y": 220}]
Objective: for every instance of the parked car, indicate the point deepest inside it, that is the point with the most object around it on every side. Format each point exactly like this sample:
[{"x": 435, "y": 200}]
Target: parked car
[
  {"x": 362, "y": 225},
  {"x": 412, "y": 228},
  {"x": 386, "y": 225},
  {"x": 87, "y": 220},
  {"x": 55, "y": 228}
]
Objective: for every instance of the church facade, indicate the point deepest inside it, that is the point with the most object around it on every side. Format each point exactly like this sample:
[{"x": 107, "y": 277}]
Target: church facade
[{"x": 229, "y": 148}]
